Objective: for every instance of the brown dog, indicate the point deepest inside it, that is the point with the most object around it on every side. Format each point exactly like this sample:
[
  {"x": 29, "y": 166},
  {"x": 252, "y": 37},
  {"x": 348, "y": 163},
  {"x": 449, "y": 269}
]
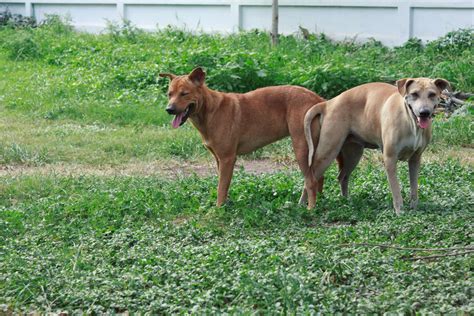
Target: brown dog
[
  {"x": 375, "y": 115},
  {"x": 232, "y": 124}
]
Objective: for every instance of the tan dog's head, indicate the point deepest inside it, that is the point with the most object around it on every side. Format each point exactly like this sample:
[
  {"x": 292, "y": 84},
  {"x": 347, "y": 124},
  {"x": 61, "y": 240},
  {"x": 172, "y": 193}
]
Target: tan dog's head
[
  {"x": 422, "y": 95},
  {"x": 184, "y": 93}
]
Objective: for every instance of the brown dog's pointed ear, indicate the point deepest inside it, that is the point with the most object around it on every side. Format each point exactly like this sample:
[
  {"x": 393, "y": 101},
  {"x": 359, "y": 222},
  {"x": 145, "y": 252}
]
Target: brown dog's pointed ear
[
  {"x": 403, "y": 84},
  {"x": 197, "y": 76},
  {"x": 168, "y": 75},
  {"x": 442, "y": 84}
]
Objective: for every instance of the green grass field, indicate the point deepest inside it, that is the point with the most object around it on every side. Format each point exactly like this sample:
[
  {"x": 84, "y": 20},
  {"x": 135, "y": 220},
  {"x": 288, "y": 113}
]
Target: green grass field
[{"x": 105, "y": 208}]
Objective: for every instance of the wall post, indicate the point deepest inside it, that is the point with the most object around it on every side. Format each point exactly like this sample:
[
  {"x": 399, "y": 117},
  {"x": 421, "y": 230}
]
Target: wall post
[
  {"x": 235, "y": 13},
  {"x": 29, "y": 9},
  {"x": 405, "y": 21}
]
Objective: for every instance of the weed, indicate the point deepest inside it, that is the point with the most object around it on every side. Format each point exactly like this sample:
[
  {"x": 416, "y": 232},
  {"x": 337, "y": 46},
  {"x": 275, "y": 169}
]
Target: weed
[{"x": 16, "y": 154}]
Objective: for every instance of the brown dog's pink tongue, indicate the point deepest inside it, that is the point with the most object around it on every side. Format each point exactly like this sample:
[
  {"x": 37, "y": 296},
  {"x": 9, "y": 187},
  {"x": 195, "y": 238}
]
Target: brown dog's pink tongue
[
  {"x": 423, "y": 122},
  {"x": 177, "y": 120}
]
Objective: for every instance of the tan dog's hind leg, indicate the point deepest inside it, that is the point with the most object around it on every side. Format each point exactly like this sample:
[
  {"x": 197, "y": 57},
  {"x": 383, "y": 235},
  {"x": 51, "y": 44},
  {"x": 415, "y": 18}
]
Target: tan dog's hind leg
[
  {"x": 414, "y": 168},
  {"x": 390, "y": 162},
  {"x": 351, "y": 154},
  {"x": 314, "y": 111},
  {"x": 226, "y": 168},
  {"x": 330, "y": 143}
]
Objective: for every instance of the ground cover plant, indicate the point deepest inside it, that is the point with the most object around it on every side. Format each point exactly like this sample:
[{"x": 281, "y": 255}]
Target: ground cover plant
[{"x": 76, "y": 238}]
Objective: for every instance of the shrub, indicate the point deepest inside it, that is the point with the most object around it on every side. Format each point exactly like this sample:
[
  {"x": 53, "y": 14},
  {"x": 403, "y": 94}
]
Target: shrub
[
  {"x": 119, "y": 69},
  {"x": 16, "y": 20},
  {"x": 459, "y": 40},
  {"x": 23, "y": 46}
]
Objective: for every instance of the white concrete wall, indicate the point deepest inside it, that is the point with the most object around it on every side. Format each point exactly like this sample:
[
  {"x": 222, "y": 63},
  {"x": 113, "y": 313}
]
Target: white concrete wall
[{"x": 390, "y": 21}]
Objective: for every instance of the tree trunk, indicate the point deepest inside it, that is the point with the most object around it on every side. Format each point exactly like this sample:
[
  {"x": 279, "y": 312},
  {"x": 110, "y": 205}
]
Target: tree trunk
[{"x": 274, "y": 22}]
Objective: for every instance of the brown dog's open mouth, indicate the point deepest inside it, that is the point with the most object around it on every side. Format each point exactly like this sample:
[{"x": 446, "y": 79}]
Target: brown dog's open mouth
[{"x": 181, "y": 118}]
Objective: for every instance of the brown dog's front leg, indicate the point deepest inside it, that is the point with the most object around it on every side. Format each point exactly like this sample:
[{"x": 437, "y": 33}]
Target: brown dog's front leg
[
  {"x": 414, "y": 168},
  {"x": 226, "y": 168}
]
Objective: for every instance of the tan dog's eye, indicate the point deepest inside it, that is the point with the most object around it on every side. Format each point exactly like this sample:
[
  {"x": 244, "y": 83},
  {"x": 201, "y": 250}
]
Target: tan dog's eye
[
  {"x": 431, "y": 95},
  {"x": 414, "y": 95},
  {"x": 184, "y": 93}
]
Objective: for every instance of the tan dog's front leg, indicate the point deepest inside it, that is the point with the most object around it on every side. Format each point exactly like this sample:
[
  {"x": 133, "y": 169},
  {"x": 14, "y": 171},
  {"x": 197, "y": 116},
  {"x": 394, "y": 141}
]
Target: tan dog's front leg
[
  {"x": 414, "y": 168},
  {"x": 226, "y": 168},
  {"x": 391, "y": 169}
]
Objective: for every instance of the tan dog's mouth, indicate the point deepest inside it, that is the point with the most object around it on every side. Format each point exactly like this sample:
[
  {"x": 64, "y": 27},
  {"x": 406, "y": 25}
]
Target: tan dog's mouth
[
  {"x": 180, "y": 119},
  {"x": 423, "y": 122}
]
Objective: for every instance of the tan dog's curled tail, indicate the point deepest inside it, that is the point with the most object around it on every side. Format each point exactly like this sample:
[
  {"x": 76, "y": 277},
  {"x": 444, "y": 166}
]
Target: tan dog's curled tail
[{"x": 314, "y": 111}]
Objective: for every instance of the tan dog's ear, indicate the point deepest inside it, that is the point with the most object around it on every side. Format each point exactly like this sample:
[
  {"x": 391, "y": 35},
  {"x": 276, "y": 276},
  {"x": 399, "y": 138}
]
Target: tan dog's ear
[
  {"x": 197, "y": 76},
  {"x": 442, "y": 84},
  {"x": 171, "y": 76},
  {"x": 403, "y": 84}
]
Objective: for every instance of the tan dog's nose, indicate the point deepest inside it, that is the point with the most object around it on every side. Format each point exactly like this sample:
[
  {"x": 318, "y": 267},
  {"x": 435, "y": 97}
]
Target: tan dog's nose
[{"x": 425, "y": 113}]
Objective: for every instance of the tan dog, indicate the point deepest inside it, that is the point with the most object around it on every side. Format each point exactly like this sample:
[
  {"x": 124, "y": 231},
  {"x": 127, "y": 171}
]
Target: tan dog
[
  {"x": 232, "y": 124},
  {"x": 375, "y": 115}
]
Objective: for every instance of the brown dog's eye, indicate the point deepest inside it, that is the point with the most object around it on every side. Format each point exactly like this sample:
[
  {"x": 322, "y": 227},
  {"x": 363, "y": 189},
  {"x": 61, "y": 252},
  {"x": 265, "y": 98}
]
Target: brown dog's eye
[
  {"x": 169, "y": 94},
  {"x": 184, "y": 93}
]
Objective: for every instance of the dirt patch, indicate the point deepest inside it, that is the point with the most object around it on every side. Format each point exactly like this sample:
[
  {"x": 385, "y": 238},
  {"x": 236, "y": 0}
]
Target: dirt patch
[
  {"x": 169, "y": 169},
  {"x": 172, "y": 169}
]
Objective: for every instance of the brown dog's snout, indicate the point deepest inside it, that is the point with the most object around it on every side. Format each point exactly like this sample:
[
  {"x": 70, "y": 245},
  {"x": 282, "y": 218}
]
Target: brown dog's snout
[{"x": 171, "y": 109}]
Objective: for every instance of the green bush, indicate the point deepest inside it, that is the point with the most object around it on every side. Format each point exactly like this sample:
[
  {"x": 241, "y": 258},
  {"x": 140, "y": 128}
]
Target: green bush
[
  {"x": 24, "y": 45},
  {"x": 460, "y": 40},
  {"x": 97, "y": 73}
]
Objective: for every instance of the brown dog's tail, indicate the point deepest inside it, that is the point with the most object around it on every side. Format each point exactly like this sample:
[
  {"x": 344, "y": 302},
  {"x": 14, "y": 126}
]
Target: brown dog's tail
[{"x": 314, "y": 111}]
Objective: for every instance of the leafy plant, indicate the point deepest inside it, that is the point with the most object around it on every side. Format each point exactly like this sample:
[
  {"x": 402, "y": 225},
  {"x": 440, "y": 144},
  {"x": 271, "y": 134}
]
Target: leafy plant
[{"x": 148, "y": 244}]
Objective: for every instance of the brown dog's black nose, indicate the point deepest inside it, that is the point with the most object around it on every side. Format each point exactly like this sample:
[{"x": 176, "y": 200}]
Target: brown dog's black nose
[
  {"x": 171, "y": 109},
  {"x": 425, "y": 113}
]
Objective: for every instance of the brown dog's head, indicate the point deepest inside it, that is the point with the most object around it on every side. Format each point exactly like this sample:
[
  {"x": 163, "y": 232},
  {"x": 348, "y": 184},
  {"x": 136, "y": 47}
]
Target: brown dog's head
[
  {"x": 422, "y": 95},
  {"x": 184, "y": 93}
]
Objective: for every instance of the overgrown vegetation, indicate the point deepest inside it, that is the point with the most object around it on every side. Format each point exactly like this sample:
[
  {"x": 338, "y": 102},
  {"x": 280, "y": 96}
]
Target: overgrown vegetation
[
  {"x": 90, "y": 244},
  {"x": 112, "y": 78},
  {"x": 53, "y": 76}
]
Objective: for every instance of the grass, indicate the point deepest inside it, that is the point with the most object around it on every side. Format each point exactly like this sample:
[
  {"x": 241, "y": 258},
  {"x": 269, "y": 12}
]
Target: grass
[
  {"x": 85, "y": 243},
  {"x": 28, "y": 141},
  {"x": 147, "y": 244},
  {"x": 90, "y": 99}
]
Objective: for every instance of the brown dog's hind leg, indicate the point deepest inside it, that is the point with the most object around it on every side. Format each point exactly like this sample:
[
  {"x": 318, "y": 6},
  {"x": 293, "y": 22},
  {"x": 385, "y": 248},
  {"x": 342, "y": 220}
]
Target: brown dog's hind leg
[
  {"x": 304, "y": 196},
  {"x": 301, "y": 152},
  {"x": 226, "y": 169},
  {"x": 312, "y": 188}
]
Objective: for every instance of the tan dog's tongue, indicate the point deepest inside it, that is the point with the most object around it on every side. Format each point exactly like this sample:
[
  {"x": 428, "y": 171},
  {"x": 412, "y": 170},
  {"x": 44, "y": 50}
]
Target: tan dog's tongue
[
  {"x": 177, "y": 120},
  {"x": 423, "y": 122}
]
